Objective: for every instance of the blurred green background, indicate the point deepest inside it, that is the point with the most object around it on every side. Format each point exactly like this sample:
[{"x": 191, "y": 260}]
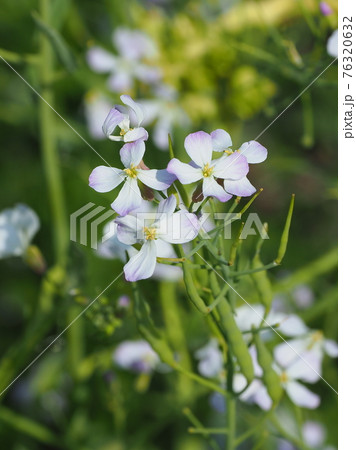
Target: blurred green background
[{"x": 233, "y": 65}]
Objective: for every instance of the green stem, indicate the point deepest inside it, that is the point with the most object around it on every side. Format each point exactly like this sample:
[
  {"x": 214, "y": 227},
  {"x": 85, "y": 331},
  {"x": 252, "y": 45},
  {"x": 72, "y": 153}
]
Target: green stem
[
  {"x": 196, "y": 422},
  {"x": 230, "y": 406},
  {"x": 48, "y": 145}
]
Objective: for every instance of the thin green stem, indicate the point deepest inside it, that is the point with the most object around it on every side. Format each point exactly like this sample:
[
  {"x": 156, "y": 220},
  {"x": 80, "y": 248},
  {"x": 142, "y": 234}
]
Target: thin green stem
[{"x": 198, "y": 425}]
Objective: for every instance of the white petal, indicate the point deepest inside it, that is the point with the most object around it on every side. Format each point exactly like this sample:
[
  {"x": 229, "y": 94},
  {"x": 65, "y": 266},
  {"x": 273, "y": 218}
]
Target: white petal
[
  {"x": 254, "y": 152},
  {"x": 178, "y": 228},
  {"x": 199, "y": 147},
  {"x": 136, "y": 134},
  {"x": 331, "y": 46},
  {"x": 233, "y": 167},
  {"x": 105, "y": 179},
  {"x": 128, "y": 229},
  {"x": 131, "y": 154},
  {"x": 120, "y": 81},
  {"x": 212, "y": 189},
  {"x": 302, "y": 396},
  {"x": 167, "y": 206},
  {"x": 142, "y": 265},
  {"x": 136, "y": 108},
  {"x": 156, "y": 179},
  {"x": 137, "y": 356},
  {"x": 112, "y": 121},
  {"x": 262, "y": 399},
  {"x": 100, "y": 60},
  {"x": 314, "y": 434},
  {"x": 221, "y": 140},
  {"x": 330, "y": 348},
  {"x": 306, "y": 368},
  {"x": 289, "y": 325},
  {"x": 241, "y": 188},
  {"x": 246, "y": 317},
  {"x": 239, "y": 382},
  {"x": 185, "y": 173},
  {"x": 128, "y": 199},
  {"x": 286, "y": 353}
]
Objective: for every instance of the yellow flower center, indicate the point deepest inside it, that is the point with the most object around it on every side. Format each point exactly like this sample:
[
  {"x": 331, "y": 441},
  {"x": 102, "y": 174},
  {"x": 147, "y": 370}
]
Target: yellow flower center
[
  {"x": 150, "y": 233},
  {"x": 283, "y": 377},
  {"x": 131, "y": 172},
  {"x": 229, "y": 151},
  {"x": 207, "y": 170},
  {"x": 123, "y": 132}
]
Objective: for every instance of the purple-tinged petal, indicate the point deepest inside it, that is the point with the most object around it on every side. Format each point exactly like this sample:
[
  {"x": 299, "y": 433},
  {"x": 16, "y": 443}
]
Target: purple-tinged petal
[
  {"x": 221, "y": 140},
  {"x": 156, "y": 179},
  {"x": 133, "y": 44},
  {"x": 105, "y": 179},
  {"x": 142, "y": 265},
  {"x": 213, "y": 189},
  {"x": 178, "y": 228},
  {"x": 253, "y": 151},
  {"x": 137, "y": 356},
  {"x": 128, "y": 199},
  {"x": 325, "y": 9},
  {"x": 132, "y": 153},
  {"x": 185, "y": 173},
  {"x": 233, "y": 167},
  {"x": 112, "y": 121},
  {"x": 136, "y": 108},
  {"x": 167, "y": 206},
  {"x": 128, "y": 229},
  {"x": 120, "y": 81},
  {"x": 100, "y": 60},
  {"x": 302, "y": 396},
  {"x": 241, "y": 188},
  {"x": 199, "y": 147},
  {"x": 136, "y": 134}
]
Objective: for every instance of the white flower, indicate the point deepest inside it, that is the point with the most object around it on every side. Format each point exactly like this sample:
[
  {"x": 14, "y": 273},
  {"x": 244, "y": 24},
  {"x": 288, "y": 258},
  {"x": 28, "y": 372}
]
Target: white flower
[
  {"x": 123, "y": 118},
  {"x": 211, "y": 362},
  {"x": 172, "y": 227},
  {"x": 132, "y": 46},
  {"x": 18, "y": 225},
  {"x": 137, "y": 356},
  {"x": 105, "y": 179},
  {"x": 96, "y": 110},
  {"x": 331, "y": 45}
]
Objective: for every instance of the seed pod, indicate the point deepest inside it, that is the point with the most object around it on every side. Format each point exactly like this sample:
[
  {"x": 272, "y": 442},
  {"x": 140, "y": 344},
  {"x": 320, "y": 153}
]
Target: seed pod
[
  {"x": 270, "y": 377},
  {"x": 233, "y": 335},
  {"x": 262, "y": 282}
]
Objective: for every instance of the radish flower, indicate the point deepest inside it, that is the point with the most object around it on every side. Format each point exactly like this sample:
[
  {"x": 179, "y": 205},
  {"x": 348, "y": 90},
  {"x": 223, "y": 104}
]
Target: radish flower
[
  {"x": 199, "y": 147},
  {"x": 105, "y": 179},
  {"x": 137, "y": 356},
  {"x": 253, "y": 152},
  {"x": 166, "y": 225},
  {"x": 128, "y": 120}
]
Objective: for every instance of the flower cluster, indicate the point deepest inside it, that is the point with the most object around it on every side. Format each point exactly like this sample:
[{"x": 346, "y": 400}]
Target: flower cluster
[{"x": 171, "y": 222}]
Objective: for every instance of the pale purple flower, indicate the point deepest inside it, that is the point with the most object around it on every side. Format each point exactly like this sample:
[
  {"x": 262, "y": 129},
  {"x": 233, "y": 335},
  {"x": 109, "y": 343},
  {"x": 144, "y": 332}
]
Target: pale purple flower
[
  {"x": 105, "y": 179},
  {"x": 166, "y": 224},
  {"x": 112, "y": 248},
  {"x": 252, "y": 151},
  {"x": 211, "y": 363},
  {"x": 199, "y": 147},
  {"x": 303, "y": 296},
  {"x": 313, "y": 343},
  {"x": 331, "y": 45},
  {"x": 137, "y": 356},
  {"x": 325, "y": 9},
  {"x": 96, "y": 110},
  {"x": 314, "y": 434},
  {"x": 18, "y": 226},
  {"x": 125, "y": 68},
  {"x": 124, "y": 301},
  {"x": 128, "y": 120}
]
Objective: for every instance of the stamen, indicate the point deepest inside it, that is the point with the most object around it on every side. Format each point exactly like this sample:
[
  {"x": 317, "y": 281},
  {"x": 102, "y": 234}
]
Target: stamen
[
  {"x": 131, "y": 172},
  {"x": 207, "y": 170},
  {"x": 150, "y": 233}
]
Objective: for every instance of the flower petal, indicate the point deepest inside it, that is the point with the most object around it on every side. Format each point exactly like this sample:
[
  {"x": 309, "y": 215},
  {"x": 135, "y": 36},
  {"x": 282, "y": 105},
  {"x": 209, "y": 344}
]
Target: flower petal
[
  {"x": 302, "y": 396},
  {"x": 112, "y": 121},
  {"x": 185, "y": 173},
  {"x": 167, "y": 206},
  {"x": 241, "y": 188},
  {"x": 142, "y": 265},
  {"x": 221, "y": 140},
  {"x": 212, "y": 189},
  {"x": 105, "y": 179},
  {"x": 253, "y": 151},
  {"x": 100, "y": 60},
  {"x": 128, "y": 199},
  {"x": 330, "y": 348},
  {"x": 306, "y": 368},
  {"x": 156, "y": 179},
  {"x": 120, "y": 81},
  {"x": 331, "y": 45},
  {"x": 285, "y": 353},
  {"x": 136, "y": 134},
  {"x": 178, "y": 228},
  {"x": 234, "y": 167},
  {"x": 199, "y": 147},
  {"x": 136, "y": 108},
  {"x": 128, "y": 228},
  {"x": 132, "y": 153}
]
